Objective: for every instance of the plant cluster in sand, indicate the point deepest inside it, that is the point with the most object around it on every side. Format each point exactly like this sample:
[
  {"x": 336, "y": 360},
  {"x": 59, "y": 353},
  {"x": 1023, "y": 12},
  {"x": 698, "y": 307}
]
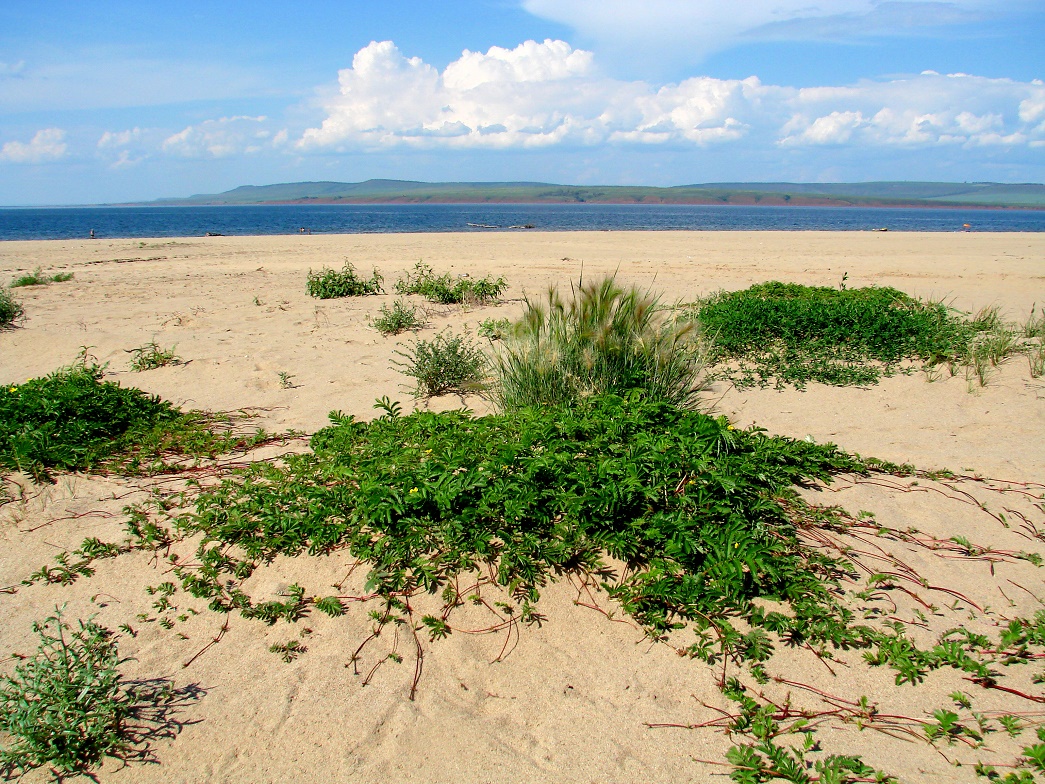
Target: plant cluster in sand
[
  {"x": 446, "y": 289},
  {"x": 37, "y": 278},
  {"x": 10, "y": 309},
  {"x": 786, "y": 333},
  {"x": 329, "y": 284}
]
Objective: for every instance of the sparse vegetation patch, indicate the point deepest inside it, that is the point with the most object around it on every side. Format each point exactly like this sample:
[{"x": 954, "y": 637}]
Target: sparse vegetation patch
[
  {"x": 785, "y": 333},
  {"x": 37, "y": 278},
  {"x": 445, "y": 289},
  {"x": 329, "y": 284},
  {"x": 10, "y": 309}
]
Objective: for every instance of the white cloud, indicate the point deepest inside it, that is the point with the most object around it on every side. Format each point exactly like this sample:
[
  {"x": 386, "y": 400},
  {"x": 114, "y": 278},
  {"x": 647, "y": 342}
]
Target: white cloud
[
  {"x": 549, "y": 94},
  {"x": 692, "y": 29},
  {"x": 11, "y": 69},
  {"x": 220, "y": 138},
  {"x": 47, "y": 145}
]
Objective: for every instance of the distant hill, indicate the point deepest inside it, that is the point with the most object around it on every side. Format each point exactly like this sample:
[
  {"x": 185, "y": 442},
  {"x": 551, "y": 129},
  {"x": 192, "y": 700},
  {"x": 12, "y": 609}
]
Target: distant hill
[{"x": 864, "y": 194}]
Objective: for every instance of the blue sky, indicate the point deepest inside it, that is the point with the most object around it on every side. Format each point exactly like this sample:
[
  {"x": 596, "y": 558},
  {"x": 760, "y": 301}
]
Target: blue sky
[{"x": 120, "y": 101}]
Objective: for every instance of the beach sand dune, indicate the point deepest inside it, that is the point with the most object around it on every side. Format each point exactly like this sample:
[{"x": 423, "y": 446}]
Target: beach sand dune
[{"x": 572, "y": 700}]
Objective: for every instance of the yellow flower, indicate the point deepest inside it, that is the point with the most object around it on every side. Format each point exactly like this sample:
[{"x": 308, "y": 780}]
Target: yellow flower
[
  {"x": 731, "y": 428},
  {"x": 414, "y": 490},
  {"x": 14, "y": 389}
]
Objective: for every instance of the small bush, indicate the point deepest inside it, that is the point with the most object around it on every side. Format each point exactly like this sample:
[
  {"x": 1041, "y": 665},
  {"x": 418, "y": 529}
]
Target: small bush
[
  {"x": 72, "y": 420},
  {"x": 445, "y": 289},
  {"x": 447, "y": 363},
  {"x": 151, "y": 356},
  {"x": 793, "y": 334},
  {"x": 399, "y": 319},
  {"x": 604, "y": 340},
  {"x": 10, "y": 309},
  {"x": 65, "y": 706},
  {"x": 329, "y": 284},
  {"x": 37, "y": 278}
]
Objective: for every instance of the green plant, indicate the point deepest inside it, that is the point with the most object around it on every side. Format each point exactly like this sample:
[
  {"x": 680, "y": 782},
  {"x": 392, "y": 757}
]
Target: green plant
[
  {"x": 604, "y": 340},
  {"x": 399, "y": 319},
  {"x": 286, "y": 380},
  {"x": 65, "y": 706},
  {"x": 288, "y": 651},
  {"x": 10, "y": 309},
  {"x": 72, "y": 420},
  {"x": 792, "y": 334},
  {"x": 447, "y": 363},
  {"x": 328, "y": 283},
  {"x": 151, "y": 356},
  {"x": 494, "y": 329},
  {"x": 445, "y": 289},
  {"x": 37, "y": 278}
]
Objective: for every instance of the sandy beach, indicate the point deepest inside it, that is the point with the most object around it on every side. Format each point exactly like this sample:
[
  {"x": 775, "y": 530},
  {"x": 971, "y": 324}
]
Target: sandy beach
[{"x": 573, "y": 699}]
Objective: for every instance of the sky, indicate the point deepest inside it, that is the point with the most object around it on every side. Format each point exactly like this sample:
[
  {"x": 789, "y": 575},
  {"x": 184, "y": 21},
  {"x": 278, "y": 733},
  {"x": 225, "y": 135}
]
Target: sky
[{"x": 113, "y": 101}]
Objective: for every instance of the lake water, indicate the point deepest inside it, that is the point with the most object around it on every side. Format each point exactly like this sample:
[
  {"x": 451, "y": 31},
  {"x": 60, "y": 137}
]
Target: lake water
[{"x": 121, "y": 222}]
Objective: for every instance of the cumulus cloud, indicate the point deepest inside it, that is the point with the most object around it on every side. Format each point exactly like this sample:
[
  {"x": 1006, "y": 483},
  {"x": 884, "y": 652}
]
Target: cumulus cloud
[
  {"x": 220, "y": 138},
  {"x": 549, "y": 94},
  {"x": 47, "y": 145},
  {"x": 693, "y": 29}
]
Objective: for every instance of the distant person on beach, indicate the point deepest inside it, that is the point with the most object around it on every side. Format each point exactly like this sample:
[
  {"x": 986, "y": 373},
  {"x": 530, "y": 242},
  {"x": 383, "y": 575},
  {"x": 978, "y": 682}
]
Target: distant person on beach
[{"x": 92, "y": 234}]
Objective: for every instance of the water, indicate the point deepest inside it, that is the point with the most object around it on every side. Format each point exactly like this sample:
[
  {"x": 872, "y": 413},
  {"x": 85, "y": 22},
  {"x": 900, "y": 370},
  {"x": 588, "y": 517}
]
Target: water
[{"x": 121, "y": 222}]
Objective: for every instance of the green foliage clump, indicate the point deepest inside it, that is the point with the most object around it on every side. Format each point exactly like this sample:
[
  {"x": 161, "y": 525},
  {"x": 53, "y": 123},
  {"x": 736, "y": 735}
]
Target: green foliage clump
[
  {"x": 446, "y": 363},
  {"x": 10, "y": 309},
  {"x": 399, "y": 319},
  {"x": 66, "y": 705},
  {"x": 794, "y": 334},
  {"x": 604, "y": 340},
  {"x": 37, "y": 278},
  {"x": 701, "y": 514},
  {"x": 72, "y": 420},
  {"x": 328, "y": 283},
  {"x": 445, "y": 289},
  {"x": 151, "y": 356}
]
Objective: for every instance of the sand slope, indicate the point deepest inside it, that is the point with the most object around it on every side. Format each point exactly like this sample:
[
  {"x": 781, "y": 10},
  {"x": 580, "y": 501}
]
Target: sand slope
[{"x": 569, "y": 701}]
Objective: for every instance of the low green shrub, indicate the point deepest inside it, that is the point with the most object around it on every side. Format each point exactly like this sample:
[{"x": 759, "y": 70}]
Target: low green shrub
[
  {"x": 151, "y": 356},
  {"x": 66, "y": 705},
  {"x": 703, "y": 515},
  {"x": 792, "y": 334},
  {"x": 400, "y": 318},
  {"x": 72, "y": 420},
  {"x": 37, "y": 278},
  {"x": 446, "y": 363},
  {"x": 605, "y": 339},
  {"x": 445, "y": 289},
  {"x": 10, "y": 309},
  {"x": 328, "y": 283}
]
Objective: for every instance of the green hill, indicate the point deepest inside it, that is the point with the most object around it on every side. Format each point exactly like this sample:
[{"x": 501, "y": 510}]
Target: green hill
[{"x": 888, "y": 194}]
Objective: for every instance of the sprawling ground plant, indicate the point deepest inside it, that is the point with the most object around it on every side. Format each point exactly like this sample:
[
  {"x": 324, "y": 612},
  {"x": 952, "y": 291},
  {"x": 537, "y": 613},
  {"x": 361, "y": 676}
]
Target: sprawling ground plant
[
  {"x": 401, "y": 317},
  {"x": 702, "y": 517},
  {"x": 73, "y": 420},
  {"x": 329, "y": 284},
  {"x": 785, "y": 333},
  {"x": 603, "y": 339},
  {"x": 446, "y": 289}
]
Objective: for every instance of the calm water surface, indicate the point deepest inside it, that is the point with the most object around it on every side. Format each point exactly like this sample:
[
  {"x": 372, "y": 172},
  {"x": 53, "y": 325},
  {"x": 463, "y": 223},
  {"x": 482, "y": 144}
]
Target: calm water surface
[{"x": 120, "y": 222}]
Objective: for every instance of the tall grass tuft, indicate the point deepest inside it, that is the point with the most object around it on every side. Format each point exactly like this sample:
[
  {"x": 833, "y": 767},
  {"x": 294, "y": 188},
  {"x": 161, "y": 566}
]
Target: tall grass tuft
[{"x": 605, "y": 339}]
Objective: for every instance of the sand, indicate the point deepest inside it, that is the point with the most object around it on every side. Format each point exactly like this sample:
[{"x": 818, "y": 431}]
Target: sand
[{"x": 572, "y": 700}]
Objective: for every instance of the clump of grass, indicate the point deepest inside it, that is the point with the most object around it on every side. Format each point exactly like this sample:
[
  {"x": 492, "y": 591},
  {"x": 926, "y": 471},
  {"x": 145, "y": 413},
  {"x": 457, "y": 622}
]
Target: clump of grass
[
  {"x": 447, "y": 363},
  {"x": 792, "y": 334},
  {"x": 445, "y": 289},
  {"x": 151, "y": 356},
  {"x": 329, "y": 284},
  {"x": 400, "y": 318},
  {"x": 37, "y": 278},
  {"x": 72, "y": 420},
  {"x": 605, "y": 339},
  {"x": 10, "y": 309},
  {"x": 66, "y": 705}
]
